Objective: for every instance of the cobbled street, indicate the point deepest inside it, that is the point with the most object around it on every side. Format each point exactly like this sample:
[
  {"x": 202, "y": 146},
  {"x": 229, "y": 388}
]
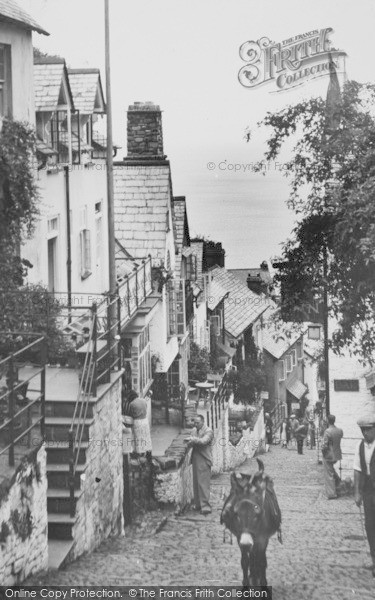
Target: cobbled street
[{"x": 323, "y": 554}]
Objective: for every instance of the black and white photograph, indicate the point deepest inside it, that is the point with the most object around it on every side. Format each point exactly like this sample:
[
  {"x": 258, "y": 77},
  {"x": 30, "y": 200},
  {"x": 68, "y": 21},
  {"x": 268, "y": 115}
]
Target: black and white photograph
[{"x": 187, "y": 299}]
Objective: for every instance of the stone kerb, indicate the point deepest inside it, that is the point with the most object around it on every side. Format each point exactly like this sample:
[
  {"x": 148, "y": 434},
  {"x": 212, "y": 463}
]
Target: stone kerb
[
  {"x": 99, "y": 510},
  {"x": 24, "y": 521}
]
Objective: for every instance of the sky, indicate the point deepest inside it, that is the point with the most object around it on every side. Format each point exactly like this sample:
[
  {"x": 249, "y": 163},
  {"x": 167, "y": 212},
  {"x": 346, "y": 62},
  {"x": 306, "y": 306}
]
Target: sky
[{"x": 184, "y": 56}]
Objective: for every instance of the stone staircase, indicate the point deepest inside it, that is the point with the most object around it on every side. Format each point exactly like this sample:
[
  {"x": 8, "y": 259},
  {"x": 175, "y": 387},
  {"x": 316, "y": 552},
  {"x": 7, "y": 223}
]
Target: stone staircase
[{"x": 59, "y": 414}]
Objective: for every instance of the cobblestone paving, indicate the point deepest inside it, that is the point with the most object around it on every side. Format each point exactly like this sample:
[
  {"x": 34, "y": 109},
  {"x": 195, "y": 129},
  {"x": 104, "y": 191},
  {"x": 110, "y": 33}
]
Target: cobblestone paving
[{"x": 323, "y": 554}]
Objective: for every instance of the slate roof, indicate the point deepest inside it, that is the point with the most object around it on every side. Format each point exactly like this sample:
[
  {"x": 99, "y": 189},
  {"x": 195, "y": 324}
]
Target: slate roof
[
  {"x": 142, "y": 204},
  {"x": 242, "y": 307},
  {"x": 278, "y": 342},
  {"x": 215, "y": 294},
  {"x": 48, "y": 77},
  {"x": 10, "y": 12},
  {"x": 85, "y": 84},
  {"x": 242, "y": 274}
]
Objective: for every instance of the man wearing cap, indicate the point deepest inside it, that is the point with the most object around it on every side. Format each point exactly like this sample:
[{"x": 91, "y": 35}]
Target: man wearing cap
[{"x": 364, "y": 477}]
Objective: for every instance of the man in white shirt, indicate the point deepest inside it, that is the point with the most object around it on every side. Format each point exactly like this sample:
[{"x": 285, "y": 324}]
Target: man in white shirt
[{"x": 364, "y": 477}]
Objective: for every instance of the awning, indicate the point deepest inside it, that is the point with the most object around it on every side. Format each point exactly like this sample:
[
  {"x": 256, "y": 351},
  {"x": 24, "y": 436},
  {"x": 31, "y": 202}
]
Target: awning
[
  {"x": 370, "y": 379},
  {"x": 297, "y": 388},
  {"x": 45, "y": 149},
  {"x": 228, "y": 350}
]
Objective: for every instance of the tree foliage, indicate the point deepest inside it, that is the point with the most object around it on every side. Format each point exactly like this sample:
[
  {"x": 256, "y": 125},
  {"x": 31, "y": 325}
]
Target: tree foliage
[
  {"x": 332, "y": 176},
  {"x": 199, "y": 363},
  {"x": 24, "y": 308}
]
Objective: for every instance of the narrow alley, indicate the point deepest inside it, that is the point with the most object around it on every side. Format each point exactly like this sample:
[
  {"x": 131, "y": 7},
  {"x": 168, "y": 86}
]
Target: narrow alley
[{"x": 323, "y": 554}]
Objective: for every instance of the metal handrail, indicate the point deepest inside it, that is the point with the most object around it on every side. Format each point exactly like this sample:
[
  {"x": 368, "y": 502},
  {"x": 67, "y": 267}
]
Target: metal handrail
[{"x": 8, "y": 364}]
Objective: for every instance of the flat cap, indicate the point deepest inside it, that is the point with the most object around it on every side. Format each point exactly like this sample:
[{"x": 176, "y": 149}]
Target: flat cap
[{"x": 367, "y": 418}]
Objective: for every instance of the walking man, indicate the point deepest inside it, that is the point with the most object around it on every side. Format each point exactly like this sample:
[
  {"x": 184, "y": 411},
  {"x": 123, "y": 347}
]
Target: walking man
[
  {"x": 331, "y": 452},
  {"x": 201, "y": 459},
  {"x": 301, "y": 432},
  {"x": 364, "y": 478}
]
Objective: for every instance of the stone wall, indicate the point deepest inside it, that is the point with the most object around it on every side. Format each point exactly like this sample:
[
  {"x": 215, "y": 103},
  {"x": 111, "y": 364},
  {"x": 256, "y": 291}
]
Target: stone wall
[
  {"x": 176, "y": 485},
  {"x": 23, "y": 521},
  {"x": 347, "y": 406},
  {"x": 100, "y": 507}
]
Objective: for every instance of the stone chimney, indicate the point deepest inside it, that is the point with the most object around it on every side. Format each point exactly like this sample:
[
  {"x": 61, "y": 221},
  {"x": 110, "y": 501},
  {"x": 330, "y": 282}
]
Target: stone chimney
[
  {"x": 145, "y": 132},
  {"x": 255, "y": 283}
]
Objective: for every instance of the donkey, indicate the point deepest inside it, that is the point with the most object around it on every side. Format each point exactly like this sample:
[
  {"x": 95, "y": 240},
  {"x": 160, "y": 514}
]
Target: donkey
[{"x": 251, "y": 512}]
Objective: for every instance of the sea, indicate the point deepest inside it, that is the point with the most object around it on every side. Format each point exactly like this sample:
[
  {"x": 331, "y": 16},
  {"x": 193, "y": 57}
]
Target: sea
[{"x": 246, "y": 212}]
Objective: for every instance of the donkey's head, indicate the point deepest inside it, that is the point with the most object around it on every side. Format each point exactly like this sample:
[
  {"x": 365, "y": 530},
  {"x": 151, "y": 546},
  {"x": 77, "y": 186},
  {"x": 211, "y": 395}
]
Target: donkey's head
[{"x": 248, "y": 507}]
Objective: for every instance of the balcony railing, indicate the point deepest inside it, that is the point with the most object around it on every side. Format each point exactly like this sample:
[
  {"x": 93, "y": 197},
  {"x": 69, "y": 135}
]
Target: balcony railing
[
  {"x": 218, "y": 402},
  {"x": 22, "y": 401}
]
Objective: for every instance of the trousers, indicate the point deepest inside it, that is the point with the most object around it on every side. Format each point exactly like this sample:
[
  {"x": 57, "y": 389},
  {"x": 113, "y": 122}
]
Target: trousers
[
  {"x": 369, "y": 510},
  {"x": 331, "y": 479},
  {"x": 300, "y": 446},
  {"x": 201, "y": 481}
]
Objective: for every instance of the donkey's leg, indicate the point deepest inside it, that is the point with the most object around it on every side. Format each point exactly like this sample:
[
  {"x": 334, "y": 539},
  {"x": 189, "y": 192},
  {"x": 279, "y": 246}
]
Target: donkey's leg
[
  {"x": 245, "y": 564},
  {"x": 262, "y": 563}
]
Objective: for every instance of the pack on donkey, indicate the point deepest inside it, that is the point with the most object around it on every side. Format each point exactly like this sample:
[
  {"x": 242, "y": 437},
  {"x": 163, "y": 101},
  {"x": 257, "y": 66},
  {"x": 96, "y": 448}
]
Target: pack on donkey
[{"x": 251, "y": 512}]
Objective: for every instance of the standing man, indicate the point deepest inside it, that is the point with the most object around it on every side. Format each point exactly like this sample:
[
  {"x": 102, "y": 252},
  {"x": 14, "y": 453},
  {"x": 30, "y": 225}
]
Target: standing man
[
  {"x": 201, "y": 459},
  {"x": 331, "y": 452},
  {"x": 300, "y": 432},
  {"x": 364, "y": 478},
  {"x": 268, "y": 424}
]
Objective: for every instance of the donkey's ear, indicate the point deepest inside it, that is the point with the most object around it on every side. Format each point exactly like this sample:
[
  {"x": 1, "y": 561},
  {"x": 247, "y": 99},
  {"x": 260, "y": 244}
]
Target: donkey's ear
[{"x": 260, "y": 465}]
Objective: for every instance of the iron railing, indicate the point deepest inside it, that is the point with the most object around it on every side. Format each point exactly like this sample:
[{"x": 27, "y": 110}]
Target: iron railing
[
  {"x": 100, "y": 354},
  {"x": 22, "y": 408},
  {"x": 218, "y": 402}
]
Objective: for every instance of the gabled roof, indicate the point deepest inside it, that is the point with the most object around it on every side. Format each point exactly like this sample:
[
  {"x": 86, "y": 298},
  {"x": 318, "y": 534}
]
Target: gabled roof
[
  {"x": 87, "y": 90},
  {"x": 142, "y": 205},
  {"x": 10, "y": 12},
  {"x": 277, "y": 342},
  {"x": 50, "y": 75},
  {"x": 215, "y": 294},
  {"x": 242, "y": 306}
]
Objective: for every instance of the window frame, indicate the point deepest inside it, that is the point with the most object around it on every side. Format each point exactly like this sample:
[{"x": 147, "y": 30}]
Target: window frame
[
  {"x": 6, "y": 82},
  {"x": 283, "y": 377}
]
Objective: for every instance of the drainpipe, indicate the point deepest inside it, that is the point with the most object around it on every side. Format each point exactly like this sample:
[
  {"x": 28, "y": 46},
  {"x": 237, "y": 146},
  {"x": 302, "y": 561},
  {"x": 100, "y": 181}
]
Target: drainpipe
[{"x": 68, "y": 242}]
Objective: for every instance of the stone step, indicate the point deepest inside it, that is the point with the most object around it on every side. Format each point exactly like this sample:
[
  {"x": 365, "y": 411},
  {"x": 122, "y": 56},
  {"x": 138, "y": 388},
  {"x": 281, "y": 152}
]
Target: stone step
[
  {"x": 58, "y": 551},
  {"x": 59, "y": 452},
  {"x": 57, "y": 428},
  {"x": 60, "y": 526},
  {"x": 58, "y": 476},
  {"x": 65, "y": 408},
  {"x": 58, "y": 500}
]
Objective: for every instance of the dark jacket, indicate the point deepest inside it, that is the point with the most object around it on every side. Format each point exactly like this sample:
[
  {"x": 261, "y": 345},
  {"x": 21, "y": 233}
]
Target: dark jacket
[
  {"x": 331, "y": 448},
  {"x": 301, "y": 432},
  {"x": 364, "y": 469}
]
